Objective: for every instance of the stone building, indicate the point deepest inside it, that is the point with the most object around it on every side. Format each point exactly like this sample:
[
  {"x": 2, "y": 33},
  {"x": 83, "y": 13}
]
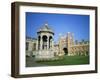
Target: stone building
[
  {"x": 71, "y": 47},
  {"x": 30, "y": 46},
  {"x": 43, "y": 46},
  {"x": 45, "y": 43}
]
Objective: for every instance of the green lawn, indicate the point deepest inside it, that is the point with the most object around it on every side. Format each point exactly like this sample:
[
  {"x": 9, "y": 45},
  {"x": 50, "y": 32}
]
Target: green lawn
[{"x": 68, "y": 60}]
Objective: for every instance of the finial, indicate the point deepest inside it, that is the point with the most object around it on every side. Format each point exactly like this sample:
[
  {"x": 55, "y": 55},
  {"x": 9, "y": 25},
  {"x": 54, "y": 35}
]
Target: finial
[{"x": 46, "y": 23}]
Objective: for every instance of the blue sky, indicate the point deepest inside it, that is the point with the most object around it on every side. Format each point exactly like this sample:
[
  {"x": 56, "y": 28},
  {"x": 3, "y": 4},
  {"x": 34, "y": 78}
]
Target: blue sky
[{"x": 60, "y": 23}]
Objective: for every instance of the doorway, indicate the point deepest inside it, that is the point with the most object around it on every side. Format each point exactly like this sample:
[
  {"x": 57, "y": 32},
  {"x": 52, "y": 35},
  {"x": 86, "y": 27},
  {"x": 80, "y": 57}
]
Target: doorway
[{"x": 65, "y": 51}]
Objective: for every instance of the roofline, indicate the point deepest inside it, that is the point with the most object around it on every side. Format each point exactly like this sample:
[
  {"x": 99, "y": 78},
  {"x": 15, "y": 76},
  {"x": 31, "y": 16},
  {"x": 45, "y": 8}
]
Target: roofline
[{"x": 46, "y": 32}]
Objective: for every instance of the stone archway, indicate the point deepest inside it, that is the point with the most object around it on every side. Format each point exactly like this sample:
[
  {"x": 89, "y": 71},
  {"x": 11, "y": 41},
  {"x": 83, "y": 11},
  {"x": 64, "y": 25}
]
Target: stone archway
[
  {"x": 65, "y": 51},
  {"x": 50, "y": 42},
  {"x": 44, "y": 39}
]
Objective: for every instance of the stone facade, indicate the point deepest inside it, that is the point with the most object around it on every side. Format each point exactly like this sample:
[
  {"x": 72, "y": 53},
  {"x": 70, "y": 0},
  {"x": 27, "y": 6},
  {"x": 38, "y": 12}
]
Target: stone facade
[
  {"x": 30, "y": 46},
  {"x": 45, "y": 43},
  {"x": 44, "y": 48},
  {"x": 71, "y": 47}
]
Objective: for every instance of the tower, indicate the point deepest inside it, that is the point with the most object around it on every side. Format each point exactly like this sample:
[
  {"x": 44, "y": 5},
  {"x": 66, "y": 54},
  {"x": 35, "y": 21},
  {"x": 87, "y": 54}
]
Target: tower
[{"x": 70, "y": 42}]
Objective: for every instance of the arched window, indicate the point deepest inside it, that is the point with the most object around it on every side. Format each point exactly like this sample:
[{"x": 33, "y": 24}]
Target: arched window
[
  {"x": 34, "y": 46},
  {"x": 44, "y": 39},
  {"x": 50, "y": 41}
]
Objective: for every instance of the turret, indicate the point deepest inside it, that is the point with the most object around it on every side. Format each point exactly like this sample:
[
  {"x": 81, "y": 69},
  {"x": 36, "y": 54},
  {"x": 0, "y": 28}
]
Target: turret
[{"x": 70, "y": 41}]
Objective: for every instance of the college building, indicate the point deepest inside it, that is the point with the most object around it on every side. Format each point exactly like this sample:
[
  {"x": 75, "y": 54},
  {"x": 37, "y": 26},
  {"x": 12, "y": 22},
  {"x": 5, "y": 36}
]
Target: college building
[{"x": 43, "y": 47}]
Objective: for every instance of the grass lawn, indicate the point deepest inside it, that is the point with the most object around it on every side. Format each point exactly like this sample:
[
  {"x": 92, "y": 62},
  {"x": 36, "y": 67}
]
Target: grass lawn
[{"x": 68, "y": 60}]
